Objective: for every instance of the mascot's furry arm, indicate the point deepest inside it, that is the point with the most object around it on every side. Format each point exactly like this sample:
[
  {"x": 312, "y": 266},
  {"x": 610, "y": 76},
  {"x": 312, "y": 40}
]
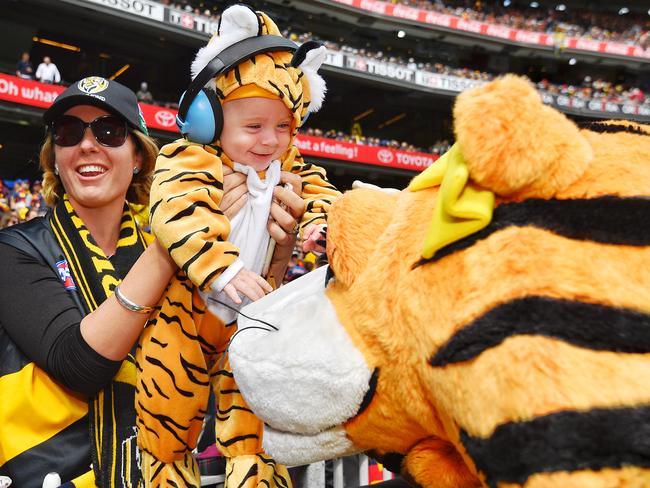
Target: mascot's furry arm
[{"x": 489, "y": 325}]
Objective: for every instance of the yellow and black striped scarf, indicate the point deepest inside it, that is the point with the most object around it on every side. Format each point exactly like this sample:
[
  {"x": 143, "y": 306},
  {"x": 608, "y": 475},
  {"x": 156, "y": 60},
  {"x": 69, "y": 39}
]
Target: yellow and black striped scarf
[{"x": 111, "y": 412}]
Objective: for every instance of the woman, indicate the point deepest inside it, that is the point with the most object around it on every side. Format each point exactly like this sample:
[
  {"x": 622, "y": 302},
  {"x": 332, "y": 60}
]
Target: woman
[{"x": 77, "y": 288}]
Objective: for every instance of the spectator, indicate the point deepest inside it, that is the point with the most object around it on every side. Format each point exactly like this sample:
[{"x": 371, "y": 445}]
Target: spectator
[
  {"x": 143, "y": 94},
  {"x": 47, "y": 72},
  {"x": 24, "y": 67},
  {"x": 295, "y": 269},
  {"x": 8, "y": 219}
]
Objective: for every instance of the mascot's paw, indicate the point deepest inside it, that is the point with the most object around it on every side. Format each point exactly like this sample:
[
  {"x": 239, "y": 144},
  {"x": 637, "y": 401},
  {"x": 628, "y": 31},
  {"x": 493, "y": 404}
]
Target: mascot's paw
[
  {"x": 434, "y": 462},
  {"x": 184, "y": 472},
  {"x": 525, "y": 149},
  {"x": 253, "y": 470}
]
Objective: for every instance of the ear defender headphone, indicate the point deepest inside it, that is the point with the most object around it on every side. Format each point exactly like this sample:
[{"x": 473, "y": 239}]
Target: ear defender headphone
[{"x": 200, "y": 116}]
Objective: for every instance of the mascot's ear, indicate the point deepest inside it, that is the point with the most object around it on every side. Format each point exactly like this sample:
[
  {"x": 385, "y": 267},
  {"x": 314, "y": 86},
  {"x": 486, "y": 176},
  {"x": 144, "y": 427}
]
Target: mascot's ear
[
  {"x": 309, "y": 57},
  {"x": 351, "y": 236},
  {"x": 513, "y": 144}
]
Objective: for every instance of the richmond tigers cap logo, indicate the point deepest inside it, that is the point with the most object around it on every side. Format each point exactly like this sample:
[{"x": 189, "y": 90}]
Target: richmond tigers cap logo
[{"x": 92, "y": 85}]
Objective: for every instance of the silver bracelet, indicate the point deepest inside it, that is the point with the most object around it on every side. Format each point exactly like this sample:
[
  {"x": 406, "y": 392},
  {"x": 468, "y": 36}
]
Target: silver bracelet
[{"x": 129, "y": 305}]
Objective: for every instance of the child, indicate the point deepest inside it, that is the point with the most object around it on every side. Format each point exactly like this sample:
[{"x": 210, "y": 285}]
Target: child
[
  {"x": 257, "y": 131},
  {"x": 264, "y": 101}
]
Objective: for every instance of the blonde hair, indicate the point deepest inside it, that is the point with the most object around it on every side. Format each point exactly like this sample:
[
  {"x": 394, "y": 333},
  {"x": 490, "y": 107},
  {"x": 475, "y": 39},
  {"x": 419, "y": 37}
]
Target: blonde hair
[{"x": 138, "y": 191}]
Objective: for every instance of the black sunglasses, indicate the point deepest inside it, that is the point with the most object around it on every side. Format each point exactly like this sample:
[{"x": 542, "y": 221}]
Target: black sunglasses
[{"x": 109, "y": 130}]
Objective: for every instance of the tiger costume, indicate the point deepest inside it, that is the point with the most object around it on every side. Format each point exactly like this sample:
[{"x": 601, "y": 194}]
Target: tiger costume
[
  {"x": 182, "y": 352},
  {"x": 488, "y": 326}
]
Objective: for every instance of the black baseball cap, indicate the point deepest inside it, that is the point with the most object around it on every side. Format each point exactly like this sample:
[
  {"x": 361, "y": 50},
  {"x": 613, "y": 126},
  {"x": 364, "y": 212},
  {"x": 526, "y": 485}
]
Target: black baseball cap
[{"x": 100, "y": 92}]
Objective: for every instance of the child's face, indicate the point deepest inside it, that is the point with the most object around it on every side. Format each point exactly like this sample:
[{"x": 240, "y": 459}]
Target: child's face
[{"x": 256, "y": 131}]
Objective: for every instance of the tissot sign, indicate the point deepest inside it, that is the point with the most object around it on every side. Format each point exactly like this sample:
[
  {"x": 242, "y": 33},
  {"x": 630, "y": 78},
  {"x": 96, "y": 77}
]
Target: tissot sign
[{"x": 35, "y": 94}]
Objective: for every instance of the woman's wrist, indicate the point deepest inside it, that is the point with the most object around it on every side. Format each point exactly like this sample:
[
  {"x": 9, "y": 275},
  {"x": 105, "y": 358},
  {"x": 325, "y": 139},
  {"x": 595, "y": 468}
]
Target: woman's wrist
[{"x": 129, "y": 304}]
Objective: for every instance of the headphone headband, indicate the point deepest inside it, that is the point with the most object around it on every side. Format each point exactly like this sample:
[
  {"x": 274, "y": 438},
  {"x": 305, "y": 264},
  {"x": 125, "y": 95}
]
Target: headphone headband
[{"x": 228, "y": 59}]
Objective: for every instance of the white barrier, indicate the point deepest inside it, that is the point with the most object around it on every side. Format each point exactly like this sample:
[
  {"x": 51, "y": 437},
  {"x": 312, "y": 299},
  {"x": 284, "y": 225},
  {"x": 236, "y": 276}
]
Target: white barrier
[{"x": 314, "y": 475}]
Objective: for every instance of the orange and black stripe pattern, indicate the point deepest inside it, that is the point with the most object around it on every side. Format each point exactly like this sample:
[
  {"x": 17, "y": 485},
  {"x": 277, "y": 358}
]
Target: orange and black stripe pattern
[
  {"x": 573, "y": 330},
  {"x": 612, "y": 436}
]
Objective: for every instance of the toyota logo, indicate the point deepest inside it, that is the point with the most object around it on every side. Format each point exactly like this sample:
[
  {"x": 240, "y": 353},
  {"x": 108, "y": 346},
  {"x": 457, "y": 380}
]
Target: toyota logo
[
  {"x": 385, "y": 156},
  {"x": 165, "y": 118}
]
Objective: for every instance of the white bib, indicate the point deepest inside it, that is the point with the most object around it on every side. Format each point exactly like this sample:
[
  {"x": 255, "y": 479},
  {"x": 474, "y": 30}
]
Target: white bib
[{"x": 248, "y": 231}]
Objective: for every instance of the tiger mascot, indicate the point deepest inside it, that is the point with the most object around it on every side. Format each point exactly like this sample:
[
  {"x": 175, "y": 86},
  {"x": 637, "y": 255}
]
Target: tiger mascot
[
  {"x": 487, "y": 326},
  {"x": 182, "y": 352}
]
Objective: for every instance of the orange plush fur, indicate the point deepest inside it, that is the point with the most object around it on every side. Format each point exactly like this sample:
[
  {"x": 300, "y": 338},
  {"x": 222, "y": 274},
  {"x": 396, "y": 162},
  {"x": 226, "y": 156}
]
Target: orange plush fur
[
  {"x": 399, "y": 313},
  {"x": 516, "y": 356}
]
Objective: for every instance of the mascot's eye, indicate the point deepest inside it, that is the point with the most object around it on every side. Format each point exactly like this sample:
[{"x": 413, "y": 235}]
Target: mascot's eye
[{"x": 329, "y": 276}]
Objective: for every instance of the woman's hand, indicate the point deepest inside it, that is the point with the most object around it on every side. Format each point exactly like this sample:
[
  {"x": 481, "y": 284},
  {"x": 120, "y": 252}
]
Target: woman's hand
[
  {"x": 287, "y": 208},
  {"x": 235, "y": 192},
  {"x": 284, "y": 222},
  {"x": 313, "y": 238}
]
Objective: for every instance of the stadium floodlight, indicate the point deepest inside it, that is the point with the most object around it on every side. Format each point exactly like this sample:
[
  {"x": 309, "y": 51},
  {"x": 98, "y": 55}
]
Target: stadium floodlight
[
  {"x": 560, "y": 7},
  {"x": 392, "y": 120},
  {"x": 623, "y": 11},
  {"x": 62, "y": 45},
  {"x": 573, "y": 61},
  {"x": 401, "y": 34},
  {"x": 119, "y": 71},
  {"x": 506, "y": 3},
  {"x": 534, "y": 4},
  {"x": 360, "y": 116}
]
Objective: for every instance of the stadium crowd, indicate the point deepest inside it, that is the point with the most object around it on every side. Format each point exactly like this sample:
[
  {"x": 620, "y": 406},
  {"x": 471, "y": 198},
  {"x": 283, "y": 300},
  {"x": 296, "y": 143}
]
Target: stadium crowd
[
  {"x": 20, "y": 201},
  {"x": 585, "y": 24},
  {"x": 595, "y": 88},
  {"x": 439, "y": 147},
  {"x": 560, "y": 20},
  {"x": 591, "y": 88}
]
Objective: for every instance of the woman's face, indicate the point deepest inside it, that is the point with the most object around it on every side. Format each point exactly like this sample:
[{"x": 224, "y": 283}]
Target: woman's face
[{"x": 93, "y": 175}]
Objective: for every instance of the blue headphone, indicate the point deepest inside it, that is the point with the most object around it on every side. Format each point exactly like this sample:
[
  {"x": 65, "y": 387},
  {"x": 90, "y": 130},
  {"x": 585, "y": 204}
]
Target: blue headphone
[{"x": 200, "y": 117}]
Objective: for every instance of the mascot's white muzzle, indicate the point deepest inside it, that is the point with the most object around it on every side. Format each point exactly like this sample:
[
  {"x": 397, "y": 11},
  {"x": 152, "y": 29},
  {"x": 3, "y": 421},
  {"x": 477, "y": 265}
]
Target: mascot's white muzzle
[{"x": 303, "y": 381}]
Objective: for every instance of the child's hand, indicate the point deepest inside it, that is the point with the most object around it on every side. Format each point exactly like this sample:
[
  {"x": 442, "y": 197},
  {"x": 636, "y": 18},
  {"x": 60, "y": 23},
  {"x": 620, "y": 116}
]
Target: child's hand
[
  {"x": 250, "y": 284},
  {"x": 314, "y": 238}
]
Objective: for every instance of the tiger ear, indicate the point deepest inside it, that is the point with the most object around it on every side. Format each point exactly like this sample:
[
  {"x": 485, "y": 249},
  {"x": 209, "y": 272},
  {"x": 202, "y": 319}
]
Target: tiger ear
[
  {"x": 309, "y": 57},
  {"x": 513, "y": 144},
  {"x": 237, "y": 23}
]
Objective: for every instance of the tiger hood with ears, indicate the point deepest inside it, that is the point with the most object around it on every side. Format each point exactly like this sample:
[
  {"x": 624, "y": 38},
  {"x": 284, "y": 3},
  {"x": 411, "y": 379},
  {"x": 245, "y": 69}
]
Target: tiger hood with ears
[
  {"x": 292, "y": 77},
  {"x": 489, "y": 325},
  {"x": 183, "y": 350}
]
